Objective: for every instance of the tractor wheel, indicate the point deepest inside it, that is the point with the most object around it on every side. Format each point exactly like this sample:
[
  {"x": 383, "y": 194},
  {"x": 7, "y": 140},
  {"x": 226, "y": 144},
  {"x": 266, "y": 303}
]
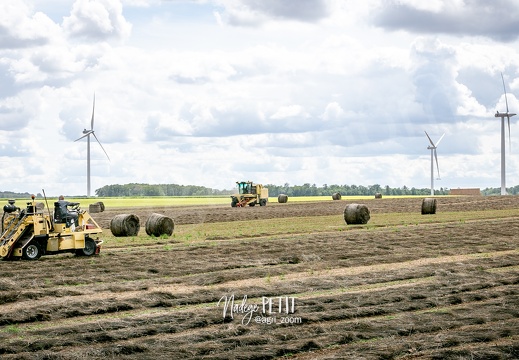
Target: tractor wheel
[
  {"x": 263, "y": 202},
  {"x": 252, "y": 203},
  {"x": 32, "y": 251},
  {"x": 90, "y": 248}
]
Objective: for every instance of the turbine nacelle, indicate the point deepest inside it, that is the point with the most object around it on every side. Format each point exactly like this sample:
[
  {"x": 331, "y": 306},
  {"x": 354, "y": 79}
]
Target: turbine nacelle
[{"x": 506, "y": 114}]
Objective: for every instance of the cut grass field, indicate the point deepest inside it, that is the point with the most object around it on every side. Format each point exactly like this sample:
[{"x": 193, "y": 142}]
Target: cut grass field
[{"x": 404, "y": 286}]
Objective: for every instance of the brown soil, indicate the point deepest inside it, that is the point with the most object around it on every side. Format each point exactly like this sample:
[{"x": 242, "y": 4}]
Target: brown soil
[{"x": 437, "y": 291}]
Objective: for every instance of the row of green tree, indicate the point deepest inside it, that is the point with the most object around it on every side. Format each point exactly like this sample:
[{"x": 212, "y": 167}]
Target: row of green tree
[
  {"x": 514, "y": 190},
  {"x": 348, "y": 190},
  {"x": 274, "y": 190},
  {"x": 157, "y": 190},
  {"x": 14, "y": 195}
]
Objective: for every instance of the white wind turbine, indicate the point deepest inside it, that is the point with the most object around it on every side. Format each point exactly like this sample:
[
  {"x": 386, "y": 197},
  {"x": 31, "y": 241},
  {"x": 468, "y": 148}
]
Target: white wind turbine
[
  {"x": 87, "y": 134},
  {"x": 502, "y": 116},
  {"x": 433, "y": 147}
]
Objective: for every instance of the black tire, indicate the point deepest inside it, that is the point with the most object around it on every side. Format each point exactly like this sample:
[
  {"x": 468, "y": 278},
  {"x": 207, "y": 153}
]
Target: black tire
[
  {"x": 263, "y": 202},
  {"x": 90, "y": 248},
  {"x": 252, "y": 203},
  {"x": 234, "y": 201},
  {"x": 32, "y": 251}
]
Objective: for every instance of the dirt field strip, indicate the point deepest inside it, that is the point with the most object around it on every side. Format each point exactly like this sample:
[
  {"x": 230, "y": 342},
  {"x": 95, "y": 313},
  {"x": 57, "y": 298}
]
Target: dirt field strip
[{"x": 403, "y": 287}]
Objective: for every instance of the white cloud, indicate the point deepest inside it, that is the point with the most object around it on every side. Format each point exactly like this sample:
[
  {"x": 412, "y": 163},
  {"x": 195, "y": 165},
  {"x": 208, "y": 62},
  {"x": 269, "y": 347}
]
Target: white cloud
[
  {"x": 315, "y": 97},
  {"x": 98, "y": 20}
]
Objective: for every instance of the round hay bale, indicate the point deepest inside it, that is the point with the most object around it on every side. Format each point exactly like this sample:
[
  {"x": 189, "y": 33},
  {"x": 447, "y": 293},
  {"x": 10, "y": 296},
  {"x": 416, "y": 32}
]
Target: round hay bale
[
  {"x": 158, "y": 224},
  {"x": 378, "y": 196},
  {"x": 94, "y": 208},
  {"x": 125, "y": 225},
  {"x": 101, "y": 205},
  {"x": 356, "y": 214},
  {"x": 336, "y": 196},
  {"x": 282, "y": 198},
  {"x": 428, "y": 206}
]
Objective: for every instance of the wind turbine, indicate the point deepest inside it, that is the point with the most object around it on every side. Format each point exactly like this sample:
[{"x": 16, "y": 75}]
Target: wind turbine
[
  {"x": 433, "y": 147},
  {"x": 87, "y": 134},
  {"x": 502, "y": 116}
]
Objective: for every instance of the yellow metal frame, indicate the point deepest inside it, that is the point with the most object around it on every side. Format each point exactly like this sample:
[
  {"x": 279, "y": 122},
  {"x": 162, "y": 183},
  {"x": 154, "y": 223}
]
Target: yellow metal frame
[{"x": 59, "y": 236}]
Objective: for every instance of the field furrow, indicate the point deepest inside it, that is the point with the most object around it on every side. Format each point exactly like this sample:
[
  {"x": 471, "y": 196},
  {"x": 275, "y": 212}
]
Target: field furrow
[{"x": 418, "y": 289}]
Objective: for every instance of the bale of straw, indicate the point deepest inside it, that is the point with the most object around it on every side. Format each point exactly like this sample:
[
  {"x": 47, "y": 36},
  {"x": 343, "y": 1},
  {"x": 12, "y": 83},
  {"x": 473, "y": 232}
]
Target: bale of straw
[
  {"x": 428, "y": 206},
  {"x": 336, "y": 196},
  {"x": 158, "y": 224},
  {"x": 101, "y": 205},
  {"x": 356, "y": 214},
  {"x": 125, "y": 225},
  {"x": 378, "y": 196},
  {"x": 282, "y": 198},
  {"x": 94, "y": 208}
]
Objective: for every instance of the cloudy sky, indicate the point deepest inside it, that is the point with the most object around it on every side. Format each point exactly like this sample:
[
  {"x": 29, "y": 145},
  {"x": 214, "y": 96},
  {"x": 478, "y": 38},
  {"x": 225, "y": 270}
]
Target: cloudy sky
[{"x": 209, "y": 92}]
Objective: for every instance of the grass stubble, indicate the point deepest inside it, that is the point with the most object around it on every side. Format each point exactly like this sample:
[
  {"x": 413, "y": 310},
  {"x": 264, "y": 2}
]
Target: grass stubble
[{"x": 404, "y": 286}]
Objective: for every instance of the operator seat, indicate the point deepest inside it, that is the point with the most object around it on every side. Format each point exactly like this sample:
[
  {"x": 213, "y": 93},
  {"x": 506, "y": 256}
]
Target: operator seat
[{"x": 59, "y": 218}]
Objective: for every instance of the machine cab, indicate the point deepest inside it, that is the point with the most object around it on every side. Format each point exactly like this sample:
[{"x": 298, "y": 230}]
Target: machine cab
[{"x": 244, "y": 188}]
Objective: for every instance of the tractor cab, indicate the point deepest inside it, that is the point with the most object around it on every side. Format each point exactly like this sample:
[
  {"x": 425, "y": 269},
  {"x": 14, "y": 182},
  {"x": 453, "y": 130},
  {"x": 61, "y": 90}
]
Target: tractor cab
[{"x": 245, "y": 188}]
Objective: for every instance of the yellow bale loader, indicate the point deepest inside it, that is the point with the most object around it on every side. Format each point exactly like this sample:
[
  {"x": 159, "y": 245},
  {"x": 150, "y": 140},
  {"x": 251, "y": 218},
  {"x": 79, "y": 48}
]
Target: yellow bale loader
[
  {"x": 249, "y": 194},
  {"x": 30, "y": 233}
]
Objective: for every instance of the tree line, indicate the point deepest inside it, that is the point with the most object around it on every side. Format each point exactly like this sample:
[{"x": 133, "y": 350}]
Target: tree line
[
  {"x": 307, "y": 189},
  {"x": 348, "y": 190},
  {"x": 274, "y": 190}
]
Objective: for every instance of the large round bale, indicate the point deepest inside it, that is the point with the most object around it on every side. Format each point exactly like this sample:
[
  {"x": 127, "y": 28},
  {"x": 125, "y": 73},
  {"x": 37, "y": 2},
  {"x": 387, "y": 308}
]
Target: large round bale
[
  {"x": 428, "y": 206},
  {"x": 378, "y": 196},
  {"x": 101, "y": 205},
  {"x": 336, "y": 196},
  {"x": 125, "y": 225},
  {"x": 94, "y": 208},
  {"x": 356, "y": 214},
  {"x": 158, "y": 224},
  {"x": 282, "y": 198}
]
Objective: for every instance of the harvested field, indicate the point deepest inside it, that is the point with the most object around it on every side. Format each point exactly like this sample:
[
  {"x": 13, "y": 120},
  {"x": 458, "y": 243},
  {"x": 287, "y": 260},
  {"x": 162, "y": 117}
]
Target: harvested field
[{"x": 403, "y": 286}]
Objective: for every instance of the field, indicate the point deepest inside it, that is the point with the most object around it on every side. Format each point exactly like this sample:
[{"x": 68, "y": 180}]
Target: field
[{"x": 304, "y": 284}]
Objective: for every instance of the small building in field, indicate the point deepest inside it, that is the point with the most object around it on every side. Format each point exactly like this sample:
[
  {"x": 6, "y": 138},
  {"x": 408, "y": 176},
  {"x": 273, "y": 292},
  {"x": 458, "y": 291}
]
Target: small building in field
[{"x": 469, "y": 192}]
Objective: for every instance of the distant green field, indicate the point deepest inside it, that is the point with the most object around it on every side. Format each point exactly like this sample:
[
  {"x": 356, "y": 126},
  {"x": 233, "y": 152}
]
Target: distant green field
[{"x": 158, "y": 201}]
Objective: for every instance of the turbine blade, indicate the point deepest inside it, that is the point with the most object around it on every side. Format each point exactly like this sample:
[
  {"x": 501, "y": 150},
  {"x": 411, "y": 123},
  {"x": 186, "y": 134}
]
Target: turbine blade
[
  {"x": 437, "y": 166},
  {"x": 83, "y": 136},
  {"x": 101, "y": 145},
  {"x": 439, "y": 140},
  {"x": 93, "y": 109},
  {"x": 504, "y": 89},
  {"x": 428, "y": 137}
]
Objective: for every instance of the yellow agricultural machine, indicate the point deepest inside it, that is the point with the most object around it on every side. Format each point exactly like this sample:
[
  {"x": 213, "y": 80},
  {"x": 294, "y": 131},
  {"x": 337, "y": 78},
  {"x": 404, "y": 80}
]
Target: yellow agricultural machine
[
  {"x": 30, "y": 233},
  {"x": 249, "y": 194}
]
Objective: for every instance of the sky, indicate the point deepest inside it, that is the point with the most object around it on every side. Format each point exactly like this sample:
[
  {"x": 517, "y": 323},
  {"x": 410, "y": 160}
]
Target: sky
[{"x": 210, "y": 92}]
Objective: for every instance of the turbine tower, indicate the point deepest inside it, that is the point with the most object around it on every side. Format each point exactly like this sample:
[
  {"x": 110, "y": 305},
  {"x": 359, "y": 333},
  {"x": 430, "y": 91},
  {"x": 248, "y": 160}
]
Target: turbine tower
[
  {"x": 87, "y": 134},
  {"x": 433, "y": 147},
  {"x": 502, "y": 116}
]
